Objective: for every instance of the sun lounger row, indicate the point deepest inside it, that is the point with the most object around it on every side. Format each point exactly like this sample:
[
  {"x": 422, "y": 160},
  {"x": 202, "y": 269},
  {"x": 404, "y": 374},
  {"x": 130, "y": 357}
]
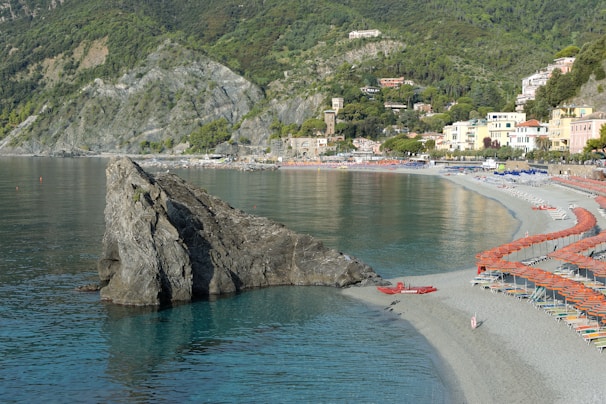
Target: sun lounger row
[
  {"x": 486, "y": 278},
  {"x": 535, "y": 260},
  {"x": 533, "y": 199},
  {"x": 557, "y": 214}
]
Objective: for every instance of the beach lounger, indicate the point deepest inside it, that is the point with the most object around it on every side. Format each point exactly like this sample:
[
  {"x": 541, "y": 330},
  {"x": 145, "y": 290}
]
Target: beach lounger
[
  {"x": 600, "y": 343},
  {"x": 501, "y": 287},
  {"x": 537, "y": 295},
  {"x": 578, "y": 319},
  {"x": 588, "y": 337},
  {"x": 549, "y": 304},
  {"x": 584, "y": 329},
  {"x": 560, "y": 312},
  {"x": 518, "y": 292}
]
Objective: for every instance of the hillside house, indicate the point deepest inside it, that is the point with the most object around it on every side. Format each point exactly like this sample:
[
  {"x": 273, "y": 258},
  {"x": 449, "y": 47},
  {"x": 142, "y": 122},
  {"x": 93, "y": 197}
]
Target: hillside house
[
  {"x": 367, "y": 146},
  {"x": 396, "y": 107},
  {"x": 394, "y": 82},
  {"x": 369, "y": 90},
  {"x": 531, "y": 83},
  {"x": 422, "y": 107},
  {"x": 369, "y": 33}
]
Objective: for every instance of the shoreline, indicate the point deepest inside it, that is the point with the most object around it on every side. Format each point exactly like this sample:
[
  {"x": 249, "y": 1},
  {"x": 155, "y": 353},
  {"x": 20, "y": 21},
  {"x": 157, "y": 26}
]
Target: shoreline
[{"x": 518, "y": 353}]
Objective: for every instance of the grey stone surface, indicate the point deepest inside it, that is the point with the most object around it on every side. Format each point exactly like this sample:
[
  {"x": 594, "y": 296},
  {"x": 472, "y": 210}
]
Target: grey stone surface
[{"x": 167, "y": 241}]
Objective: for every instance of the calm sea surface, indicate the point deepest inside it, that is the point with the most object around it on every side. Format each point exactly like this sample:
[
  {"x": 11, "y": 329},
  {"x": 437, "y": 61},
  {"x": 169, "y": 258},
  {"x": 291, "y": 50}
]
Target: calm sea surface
[{"x": 284, "y": 344}]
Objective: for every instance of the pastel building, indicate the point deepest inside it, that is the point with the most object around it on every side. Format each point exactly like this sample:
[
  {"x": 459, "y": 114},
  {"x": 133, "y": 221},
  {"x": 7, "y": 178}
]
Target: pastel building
[
  {"x": 526, "y": 133},
  {"x": 501, "y": 124},
  {"x": 464, "y": 135},
  {"x": 560, "y": 123},
  {"x": 583, "y": 129}
]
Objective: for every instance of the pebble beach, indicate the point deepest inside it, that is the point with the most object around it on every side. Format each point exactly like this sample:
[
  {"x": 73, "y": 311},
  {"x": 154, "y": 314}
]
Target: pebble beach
[{"x": 517, "y": 353}]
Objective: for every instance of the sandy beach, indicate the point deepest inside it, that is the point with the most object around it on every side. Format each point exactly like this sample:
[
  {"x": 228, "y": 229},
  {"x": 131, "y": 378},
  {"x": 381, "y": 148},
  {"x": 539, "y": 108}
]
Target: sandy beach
[{"x": 518, "y": 353}]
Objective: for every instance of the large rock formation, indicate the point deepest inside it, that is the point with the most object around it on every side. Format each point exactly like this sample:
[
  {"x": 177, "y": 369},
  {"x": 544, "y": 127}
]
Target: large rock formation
[{"x": 166, "y": 241}]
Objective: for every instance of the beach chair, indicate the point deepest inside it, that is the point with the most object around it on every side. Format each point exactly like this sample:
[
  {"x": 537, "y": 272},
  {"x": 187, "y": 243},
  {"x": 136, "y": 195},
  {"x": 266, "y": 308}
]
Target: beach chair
[
  {"x": 559, "y": 314},
  {"x": 518, "y": 292},
  {"x": 587, "y": 328},
  {"x": 537, "y": 295},
  {"x": 591, "y": 336},
  {"x": 600, "y": 344},
  {"x": 545, "y": 304},
  {"x": 574, "y": 320}
]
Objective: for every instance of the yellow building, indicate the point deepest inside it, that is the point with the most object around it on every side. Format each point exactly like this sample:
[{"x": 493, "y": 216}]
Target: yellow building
[
  {"x": 464, "y": 135},
  {"x": 501, "y": 124},
  {"x": 560, "y": 122}
]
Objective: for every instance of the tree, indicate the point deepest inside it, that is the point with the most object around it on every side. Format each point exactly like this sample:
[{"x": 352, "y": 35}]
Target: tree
[
  {"x": 311, "y": 126},
  {"x": 208, "y": 136},
  {"x": 460, "y": 112},
  {"x": 569, "y": 51},
  {"x": 598, "y": 144},
  {"x": 543, "y": 143}
]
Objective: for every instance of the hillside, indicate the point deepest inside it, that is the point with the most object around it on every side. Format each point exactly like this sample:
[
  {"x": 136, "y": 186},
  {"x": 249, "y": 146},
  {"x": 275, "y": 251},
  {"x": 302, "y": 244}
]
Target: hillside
[{"x": 125, "y": 76}]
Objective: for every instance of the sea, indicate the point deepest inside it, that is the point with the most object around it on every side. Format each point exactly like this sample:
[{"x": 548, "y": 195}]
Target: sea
[{"x": 273, "y": 345}]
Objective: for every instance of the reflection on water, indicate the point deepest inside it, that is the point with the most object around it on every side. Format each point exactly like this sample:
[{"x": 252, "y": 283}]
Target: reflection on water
[
  {"x": 270, "y": 345},
  {"x": 399, "y": 224}
]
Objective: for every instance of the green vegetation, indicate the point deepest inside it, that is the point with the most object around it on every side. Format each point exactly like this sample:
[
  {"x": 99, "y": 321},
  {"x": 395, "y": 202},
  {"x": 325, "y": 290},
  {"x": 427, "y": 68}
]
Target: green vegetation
[
  {"x": 472, "y": 52},
  {"x": 208, "y": 136},
  {"x": 598, "y": 144},
  {"x": 138, "y": 193}
]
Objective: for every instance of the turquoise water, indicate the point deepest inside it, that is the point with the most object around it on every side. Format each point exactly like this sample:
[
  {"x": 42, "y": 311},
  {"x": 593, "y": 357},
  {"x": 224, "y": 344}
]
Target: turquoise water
[{"x": 284, "y": 344}]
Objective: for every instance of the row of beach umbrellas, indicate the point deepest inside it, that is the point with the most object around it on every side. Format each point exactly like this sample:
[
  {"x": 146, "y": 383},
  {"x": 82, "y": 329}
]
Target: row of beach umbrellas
[
  {"x": 583, "y": 297},
  {"x": 583, "y": 184},
  {"x": 585, "y": 222}
]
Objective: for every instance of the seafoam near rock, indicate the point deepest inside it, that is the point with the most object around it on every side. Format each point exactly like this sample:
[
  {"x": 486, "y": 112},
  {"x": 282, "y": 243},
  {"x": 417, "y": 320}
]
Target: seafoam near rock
[{"x": 167, "y": 241}]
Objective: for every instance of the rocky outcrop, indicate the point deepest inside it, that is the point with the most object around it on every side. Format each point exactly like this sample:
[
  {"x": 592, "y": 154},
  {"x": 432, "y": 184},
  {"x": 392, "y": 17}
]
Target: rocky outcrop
[{"x": 166, "y": 241}]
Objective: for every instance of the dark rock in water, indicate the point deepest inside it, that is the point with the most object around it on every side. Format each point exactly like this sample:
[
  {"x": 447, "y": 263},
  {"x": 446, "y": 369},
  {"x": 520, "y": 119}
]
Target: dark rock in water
[
  {"x": 166, "y": 241},
  {"x": 91, "y": 287}
]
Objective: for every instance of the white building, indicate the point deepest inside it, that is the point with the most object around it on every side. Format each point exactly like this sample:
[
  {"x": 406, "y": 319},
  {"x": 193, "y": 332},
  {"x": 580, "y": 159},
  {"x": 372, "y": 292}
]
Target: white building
[
  {"x": 369, "y": 33},
  {"x": 525, "y": 135},
  {"x": 531, "y": 83},
  {"x": 366, "y": 145}
]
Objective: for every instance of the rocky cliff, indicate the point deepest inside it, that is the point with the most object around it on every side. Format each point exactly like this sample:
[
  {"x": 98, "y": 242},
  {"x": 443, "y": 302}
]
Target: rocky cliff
[
  {"x": 173, "y": 92},
  {"x": 166, "y": 241}
]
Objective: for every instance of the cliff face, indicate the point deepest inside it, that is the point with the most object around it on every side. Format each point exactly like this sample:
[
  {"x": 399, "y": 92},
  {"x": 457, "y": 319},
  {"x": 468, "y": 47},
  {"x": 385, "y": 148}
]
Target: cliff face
[
  {"x": 166, "y": 241},
  {"x": 167, "y": 97}
]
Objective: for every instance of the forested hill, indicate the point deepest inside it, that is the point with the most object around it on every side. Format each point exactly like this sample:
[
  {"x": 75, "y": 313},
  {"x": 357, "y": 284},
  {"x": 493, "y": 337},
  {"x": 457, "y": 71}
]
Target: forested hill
[{"x": 294, "y": 52}]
